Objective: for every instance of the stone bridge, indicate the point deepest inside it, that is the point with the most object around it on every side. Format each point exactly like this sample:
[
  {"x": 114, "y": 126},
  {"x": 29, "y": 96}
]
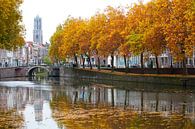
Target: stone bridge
[{"x": 26, "y": 71}]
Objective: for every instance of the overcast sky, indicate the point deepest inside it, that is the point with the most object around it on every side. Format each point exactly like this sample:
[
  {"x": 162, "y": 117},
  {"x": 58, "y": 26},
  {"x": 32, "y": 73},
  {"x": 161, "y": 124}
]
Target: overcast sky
[{"x": 55, "y": 12}]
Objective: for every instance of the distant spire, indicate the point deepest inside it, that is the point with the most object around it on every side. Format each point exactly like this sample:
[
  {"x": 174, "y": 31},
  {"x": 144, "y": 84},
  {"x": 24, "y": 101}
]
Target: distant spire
[{"x": 37, "y": 31}]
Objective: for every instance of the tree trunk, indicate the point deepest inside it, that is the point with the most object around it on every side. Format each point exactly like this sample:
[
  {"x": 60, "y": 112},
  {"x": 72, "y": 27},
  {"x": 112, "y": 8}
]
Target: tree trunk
[
  {"x": 125, "y": 60},
  {"x": 90, "y": 62},
  {"x": 171, "y": 62},
  {"x": 157, "y": 65},
  {"x": 98, "y": 63},
  {"x": 185, "y": 67},
  {"x": 83, "y": 60},
  {"x": 112, "y": 62},
  {"x": 142, "y": 61},
  {"x": 76, "y": 62}
]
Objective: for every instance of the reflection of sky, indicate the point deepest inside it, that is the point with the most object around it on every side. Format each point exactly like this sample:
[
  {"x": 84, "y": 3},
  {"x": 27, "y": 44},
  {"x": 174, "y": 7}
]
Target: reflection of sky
[
  {"x": 46, "y": 123},
  {"x": 33, "y": 100},
  {"x": 30, "y": 98}
]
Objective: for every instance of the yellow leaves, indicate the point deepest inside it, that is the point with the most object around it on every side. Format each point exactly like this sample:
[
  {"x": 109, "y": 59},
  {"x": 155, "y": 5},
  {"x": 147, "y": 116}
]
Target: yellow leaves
[
  {"x": 11, "y": 30},
  {"x": 151, "y": 27},
  {"x": 84, "y": 115},
  {"x": 113, "y": 31},
  {"x": 179, "y": 32},
  {"x": 154, "y": 40},
  {"x": 125, "y": 49},
  {"x": 10, "y": 119},
  {"x": 56, "y": 40}
]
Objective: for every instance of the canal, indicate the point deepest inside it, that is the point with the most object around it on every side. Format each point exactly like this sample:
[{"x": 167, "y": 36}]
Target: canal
[{"x": 72, "y": 103}]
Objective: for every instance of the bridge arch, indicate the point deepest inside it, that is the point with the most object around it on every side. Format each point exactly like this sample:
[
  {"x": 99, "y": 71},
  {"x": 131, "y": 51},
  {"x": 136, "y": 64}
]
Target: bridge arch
[{"x": 31, "y": 69}]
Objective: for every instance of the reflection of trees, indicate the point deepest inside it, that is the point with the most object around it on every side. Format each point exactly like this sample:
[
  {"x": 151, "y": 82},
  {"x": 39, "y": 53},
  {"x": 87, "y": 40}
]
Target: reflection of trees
[
  {"x": 92, "y": 105},
  {"x": 112, "y": 96},
  {"x": 81, "y": 116},
  {"x": 157, "y": 101},
  {"x": 80, "y": 103},
  {"x": 75, "y": 96},
  {"x": 10, "y": 119},
  {"x": 82, "y": 91},
  {"x": 142, "y": 101}
]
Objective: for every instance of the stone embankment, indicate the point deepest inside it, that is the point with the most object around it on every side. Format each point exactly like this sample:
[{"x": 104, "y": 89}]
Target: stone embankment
[
  {"x": 12, "y": 72},
  {"x": 167, "y": 79}
]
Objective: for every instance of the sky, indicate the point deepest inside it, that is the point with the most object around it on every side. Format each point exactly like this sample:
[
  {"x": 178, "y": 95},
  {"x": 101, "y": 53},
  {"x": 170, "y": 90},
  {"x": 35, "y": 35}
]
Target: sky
[{"x": 55, "y": 12}]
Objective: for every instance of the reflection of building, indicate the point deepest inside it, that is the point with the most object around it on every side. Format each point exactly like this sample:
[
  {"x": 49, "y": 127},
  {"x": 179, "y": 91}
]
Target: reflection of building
[
  {"x": 18, "y": 98},
  {"x": 38, "y": 105}
]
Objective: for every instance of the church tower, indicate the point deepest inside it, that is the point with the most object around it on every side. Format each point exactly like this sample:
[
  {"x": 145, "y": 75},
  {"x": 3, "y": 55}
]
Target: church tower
[{"x": 37, "y": 32}]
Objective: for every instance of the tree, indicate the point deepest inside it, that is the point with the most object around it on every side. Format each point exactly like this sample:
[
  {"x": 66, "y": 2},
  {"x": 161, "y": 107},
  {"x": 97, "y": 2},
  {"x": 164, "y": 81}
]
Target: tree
[
  {"x": 179, "y": 30},
  {"x": 137, "y": 26},
  {"x": 70, "y": 46},
  {"x": 135, "y": 42},
  {"x": 56, "y": 40},
  {"x": 154, "y": 41},
  {"x": 96, "y": 26},
  {"x": 112, "y": 32},
  {"x": 154, "y": 38},
  {"x": 125, "y": 51},
  {"x": 83, "y": 38},
  {"x": 11, "y": 29},
  {"x": 47, "y": 60}
]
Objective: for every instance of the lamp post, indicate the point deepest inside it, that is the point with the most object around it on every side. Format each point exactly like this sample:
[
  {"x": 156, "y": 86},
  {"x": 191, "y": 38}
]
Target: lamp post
[{"x": 27, "y": 56}]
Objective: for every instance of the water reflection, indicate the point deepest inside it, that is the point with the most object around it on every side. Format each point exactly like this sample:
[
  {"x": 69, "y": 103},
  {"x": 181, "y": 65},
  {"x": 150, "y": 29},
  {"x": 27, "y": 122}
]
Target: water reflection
[
  {"x": 83, "y": 103},
  {"x": 29, "y": 98}
]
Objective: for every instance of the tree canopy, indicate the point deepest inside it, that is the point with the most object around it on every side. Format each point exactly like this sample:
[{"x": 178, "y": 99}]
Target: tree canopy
[
  {"x": 143, "y": 28},
  {"x": 11, "y": 28}
]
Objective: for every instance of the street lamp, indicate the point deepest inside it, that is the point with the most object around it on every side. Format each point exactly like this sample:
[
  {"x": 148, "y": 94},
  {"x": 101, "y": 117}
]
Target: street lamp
[{"x": 27, "y": 56}]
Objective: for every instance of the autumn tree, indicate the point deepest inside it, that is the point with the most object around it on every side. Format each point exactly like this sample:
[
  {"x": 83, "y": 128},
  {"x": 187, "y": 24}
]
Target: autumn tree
[
  {"x": 125, "y": 51},
  {"x": 155, "y": 19},
  {"x": 70, "y": 46},
  {"x": 83, "y": 38},
  {"x": 11, "y": 29},
  {"x": 147, "y": 28},
  {"x": 112, "y": 37},
  {"x": 179, "y": 30},
  {"x": 56, "y": 40},
  {"x": 96, "y": 26},
  {"x": 137, "y": 26}
]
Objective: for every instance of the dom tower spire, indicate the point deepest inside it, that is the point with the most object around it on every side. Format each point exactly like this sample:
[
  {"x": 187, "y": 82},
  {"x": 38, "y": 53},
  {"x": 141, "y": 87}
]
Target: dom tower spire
[{"x": 37, "y": 32}]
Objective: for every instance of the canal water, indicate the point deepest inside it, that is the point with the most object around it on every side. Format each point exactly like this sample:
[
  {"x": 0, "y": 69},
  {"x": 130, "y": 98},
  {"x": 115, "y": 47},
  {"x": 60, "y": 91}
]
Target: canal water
[{"x": 72, "y": 103}]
